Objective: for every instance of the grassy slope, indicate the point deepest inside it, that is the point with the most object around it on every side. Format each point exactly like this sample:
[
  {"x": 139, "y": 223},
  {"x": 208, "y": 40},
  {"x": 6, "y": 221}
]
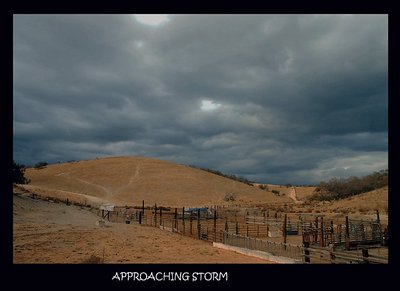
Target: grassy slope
[
  {"x": 365, "y": 202},
  {"x": 129, "y": 180}
]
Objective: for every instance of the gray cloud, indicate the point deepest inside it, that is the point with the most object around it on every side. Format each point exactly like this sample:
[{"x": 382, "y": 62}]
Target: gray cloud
[{"x": 300, "y": 98}]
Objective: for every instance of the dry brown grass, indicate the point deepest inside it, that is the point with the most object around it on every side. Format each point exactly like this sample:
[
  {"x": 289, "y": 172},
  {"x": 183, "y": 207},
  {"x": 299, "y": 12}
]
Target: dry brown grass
[
  {"x": 129, "y": 180},
  {"x": 366, "y": 202}
]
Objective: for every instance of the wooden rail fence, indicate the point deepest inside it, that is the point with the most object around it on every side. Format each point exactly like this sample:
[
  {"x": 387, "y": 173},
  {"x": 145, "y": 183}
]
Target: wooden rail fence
[{"x": 319, "y": 238}]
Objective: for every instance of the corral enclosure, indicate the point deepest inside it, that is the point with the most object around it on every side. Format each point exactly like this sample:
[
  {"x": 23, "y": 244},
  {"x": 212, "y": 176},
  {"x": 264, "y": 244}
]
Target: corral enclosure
[
  {"x": 266, "y": 230},
  {"x": 272, "y": 232}
]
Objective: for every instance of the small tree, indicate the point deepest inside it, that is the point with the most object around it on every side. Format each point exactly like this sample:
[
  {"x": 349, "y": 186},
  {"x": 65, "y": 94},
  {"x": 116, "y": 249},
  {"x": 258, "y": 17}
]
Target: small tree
[
  {"x": 40, "y": 165},
  {"x": 18, "y": 174},
  {"x": 263, "y": 187}
]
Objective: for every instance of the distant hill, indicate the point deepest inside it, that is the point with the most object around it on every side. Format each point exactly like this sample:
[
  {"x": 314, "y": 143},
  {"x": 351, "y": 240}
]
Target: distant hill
[{"x": 129, "y": 180}]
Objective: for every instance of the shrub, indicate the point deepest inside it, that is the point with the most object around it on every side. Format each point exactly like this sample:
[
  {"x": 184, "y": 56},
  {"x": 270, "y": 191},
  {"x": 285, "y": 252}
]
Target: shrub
[
  {"x": 40, "y": 165},
  {"x": 230, "y": 197},
  {"x": 276, "y": 192},
  {"x": 263, "y": 187},
  {"x": 18, "y": 173},
  {"x": 337, "y": 188}
]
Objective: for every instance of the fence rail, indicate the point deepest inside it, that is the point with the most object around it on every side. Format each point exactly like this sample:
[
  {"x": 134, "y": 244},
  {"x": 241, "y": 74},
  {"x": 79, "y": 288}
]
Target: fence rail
[
  {"x": 274, "y": 248},
  {"x": 329, "y": 256},
  {"x": 301, "y": 253}
]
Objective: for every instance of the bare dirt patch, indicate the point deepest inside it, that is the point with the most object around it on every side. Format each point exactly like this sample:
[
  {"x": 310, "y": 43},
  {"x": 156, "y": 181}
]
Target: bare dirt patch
[{"x": 46, "y": 232}]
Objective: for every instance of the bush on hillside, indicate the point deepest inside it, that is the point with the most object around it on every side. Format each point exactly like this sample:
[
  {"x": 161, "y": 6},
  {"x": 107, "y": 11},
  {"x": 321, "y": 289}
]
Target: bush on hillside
[
  {"x": 337, "y": 188},
  {"x": 18, "y": 174},
  {"x": 40, "y": 165},
  {"x": 230, "y": 197}
]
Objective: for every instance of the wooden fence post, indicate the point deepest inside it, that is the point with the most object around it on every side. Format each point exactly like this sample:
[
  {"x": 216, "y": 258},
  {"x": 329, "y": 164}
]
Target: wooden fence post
[
  {"x": 316, "y": 230},
  {"x": 332, "y": 233},
  {"x": 198, "y": 224},
  {"x": 143, "y": 206},
  {"x": 160, "y": 215},
  {"x": 306, "y": 246},
  {"x": 347, "y": 234},
  {"x": 236, "y": 228},
  {"x": 284, "y": 228},
  {"x": 176, "y": 218},
  {"x": 365, "y": 255},
  {"x": 140, "y": 217},
  {"x": 331, "y": 252},
  {"x": 155, "y": 215},
  {"x": 379, "y": 224},
  {"x": 215, "y": 225},
  {"x": 190, "y": 222},
  {"x": 183, "y": 219},
  {"x": 322, "y": 233},
  {"x": 226, "y": 230}
]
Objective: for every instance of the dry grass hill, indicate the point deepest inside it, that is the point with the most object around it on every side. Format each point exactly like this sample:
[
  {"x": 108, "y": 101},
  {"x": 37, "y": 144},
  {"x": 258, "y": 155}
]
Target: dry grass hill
[
  {"x": 363, "y": 206},
  {"x": 365, "y": 202},
  {"x": 129, "y": 180}
]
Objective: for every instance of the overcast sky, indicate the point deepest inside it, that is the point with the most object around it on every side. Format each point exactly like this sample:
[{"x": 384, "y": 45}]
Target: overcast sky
[{"x": 275, "y": 98}]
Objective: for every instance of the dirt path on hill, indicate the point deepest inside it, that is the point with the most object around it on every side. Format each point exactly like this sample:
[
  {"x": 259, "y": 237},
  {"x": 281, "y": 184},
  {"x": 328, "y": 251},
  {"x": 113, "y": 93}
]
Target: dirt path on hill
[{"x": 131, "y": 180}]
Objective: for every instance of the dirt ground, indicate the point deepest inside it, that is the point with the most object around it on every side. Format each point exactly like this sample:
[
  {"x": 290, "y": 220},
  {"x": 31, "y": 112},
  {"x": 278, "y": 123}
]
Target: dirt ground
[{"x": 45, "y": 232}]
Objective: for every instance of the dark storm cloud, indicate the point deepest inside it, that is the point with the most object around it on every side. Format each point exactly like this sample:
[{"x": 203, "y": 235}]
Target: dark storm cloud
[{"x": 278, "y": 98}]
